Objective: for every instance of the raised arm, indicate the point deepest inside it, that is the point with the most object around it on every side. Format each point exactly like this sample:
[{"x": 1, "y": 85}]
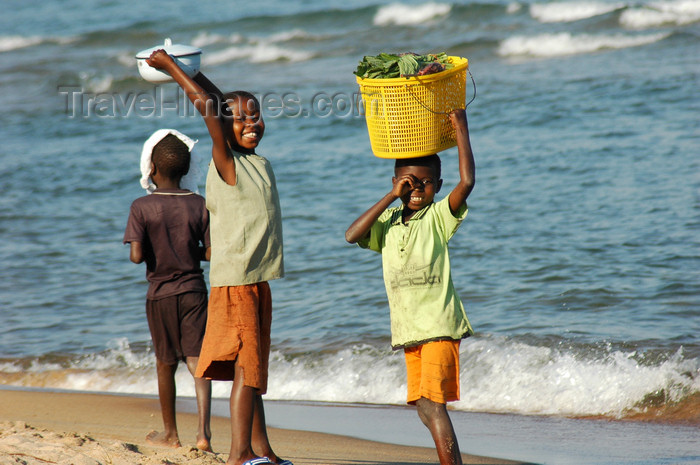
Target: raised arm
[
  {"x": 361, "y": 226},
  {"x": 459, "y": 194},
  {"x": 206, "y": 101},
  {"x": 208, "y": 86}
]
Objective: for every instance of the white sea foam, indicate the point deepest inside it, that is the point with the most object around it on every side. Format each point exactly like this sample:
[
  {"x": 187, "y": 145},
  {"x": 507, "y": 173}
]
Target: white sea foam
[
  {"x": 258, "y": 53},
  {"x": 285, "y": 36},
  {"x": 570, "y": 11},
  {"x": 657, "y": 14},
  {"x": 126, "y": 59},
  {"x": 519, "y": 378},
  {"x": 513, "y": 8},
  {"x": 497, "y": 375},
  {"x": 361, "y": 373},
  {"x": 96, "y": 83},
  {"x": 207, "y": 38},
  {"x": 552, "y": 45},
  {"x": 117, "y": 369},
  {"x": 405, "y": 15},
  {"x": 8, "y": 43},
  {"x": 254, "y": 49}
]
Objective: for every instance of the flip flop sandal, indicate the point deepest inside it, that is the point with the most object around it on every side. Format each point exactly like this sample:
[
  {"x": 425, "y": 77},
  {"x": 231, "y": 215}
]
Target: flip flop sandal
[
  {"x": 283, "y": 462},
  {"x": 257, "y": 461}
]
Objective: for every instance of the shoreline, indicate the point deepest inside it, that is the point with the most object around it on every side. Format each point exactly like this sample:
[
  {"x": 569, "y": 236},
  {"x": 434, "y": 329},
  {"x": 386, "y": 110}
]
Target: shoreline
[{"x": 49, "y": 426}]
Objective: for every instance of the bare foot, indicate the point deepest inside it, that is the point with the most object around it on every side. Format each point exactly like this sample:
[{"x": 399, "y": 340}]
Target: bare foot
[
  {"x": 161, "y": 439},
  {"x": 204, "y": 444}
]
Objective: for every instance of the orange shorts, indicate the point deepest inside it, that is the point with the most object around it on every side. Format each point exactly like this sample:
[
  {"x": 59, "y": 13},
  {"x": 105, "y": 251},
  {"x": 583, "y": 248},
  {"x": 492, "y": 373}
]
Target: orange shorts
[
  {"x": 238, "y": 331},
  {"x": 433, "y": 371}
]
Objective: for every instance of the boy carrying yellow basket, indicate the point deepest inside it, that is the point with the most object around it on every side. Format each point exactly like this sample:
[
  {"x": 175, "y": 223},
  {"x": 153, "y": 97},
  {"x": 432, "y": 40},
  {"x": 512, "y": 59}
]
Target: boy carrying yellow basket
[{"x": 428, "y": 320}]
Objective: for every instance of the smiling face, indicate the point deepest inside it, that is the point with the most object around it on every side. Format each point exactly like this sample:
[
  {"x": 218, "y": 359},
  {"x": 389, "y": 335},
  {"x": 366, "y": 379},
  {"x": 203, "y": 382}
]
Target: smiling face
[
  {"x": 247, "y": 126},
  {"x": 425, "y": 185}
]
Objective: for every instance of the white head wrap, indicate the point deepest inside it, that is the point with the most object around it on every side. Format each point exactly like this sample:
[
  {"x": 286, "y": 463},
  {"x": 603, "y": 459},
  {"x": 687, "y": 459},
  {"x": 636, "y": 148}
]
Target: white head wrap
[{"x": 190, "y": 181}]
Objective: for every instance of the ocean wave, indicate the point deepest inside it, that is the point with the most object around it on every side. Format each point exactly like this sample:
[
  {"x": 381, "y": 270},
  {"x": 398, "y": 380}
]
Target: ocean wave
[
  {"x": 405, "y": 15},
  {"x": 294, "y": 34},
  {"x": 257, "y": 49},
  {"x": 357, "y": 374},
  {"x": 256, "y": 53},
  {"x": 207, "y": 38},
  {"x": 513, "y": 7},
  {"x": 571, "y": 11},
  {"x": 121, "y": 368},
  {"x": 561, "y": 44},
  {"x": 9, "y": 43},
  {"x": 504, "y": 376},
  {"x": 126, "y": 58},
  {"x": 510, "y": 376},
  {"x": 679, "y": 13},
  {"x": 254, "y": 49},
  {"x": 93, "y": 82},
  {"x": 498, "y": 374}
]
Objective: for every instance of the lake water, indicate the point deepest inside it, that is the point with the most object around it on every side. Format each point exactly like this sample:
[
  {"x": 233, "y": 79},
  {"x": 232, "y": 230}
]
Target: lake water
[{"x": 578, "y": 264}]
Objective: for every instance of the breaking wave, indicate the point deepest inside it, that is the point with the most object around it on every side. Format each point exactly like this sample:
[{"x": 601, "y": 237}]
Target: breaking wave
[
  {"x": 498, "y": 374},
  {"x": 564, "y": 43},
  {"x": 402, "y": 15}
]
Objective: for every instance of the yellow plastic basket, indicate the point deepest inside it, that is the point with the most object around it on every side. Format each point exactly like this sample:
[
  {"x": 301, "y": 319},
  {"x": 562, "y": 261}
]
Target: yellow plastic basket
[{"x": 408, "y": 117}]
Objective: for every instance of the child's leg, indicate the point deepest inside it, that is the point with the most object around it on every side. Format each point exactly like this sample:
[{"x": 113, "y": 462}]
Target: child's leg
[
  {"x": 166, "y": 394},
  {"x": 248, "y": 428},
  {"x": 433, "y": 380},
  {"x": 260, "y": 440},
  {"x": 434, "y": 416},
  {"x": 242, "y": 411},
  {"x": 202, "y": 389},
  {"x": 252, "y": 320},
  {"x": 192, "y": 312},
  {"x": 160, "y": 322}
]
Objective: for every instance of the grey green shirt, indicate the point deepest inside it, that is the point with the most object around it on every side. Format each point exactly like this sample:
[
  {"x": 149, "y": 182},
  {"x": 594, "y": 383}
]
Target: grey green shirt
[
  {"x": 246, "y": 224},
  {"x": 423, "y": 303}
]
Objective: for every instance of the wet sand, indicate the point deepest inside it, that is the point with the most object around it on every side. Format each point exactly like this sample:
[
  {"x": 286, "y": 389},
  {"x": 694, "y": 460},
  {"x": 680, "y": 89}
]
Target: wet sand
[{"x": 39, "y": 427}]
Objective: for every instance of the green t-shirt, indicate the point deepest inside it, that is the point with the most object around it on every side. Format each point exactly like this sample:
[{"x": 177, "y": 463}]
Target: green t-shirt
[{"x": 423, "y": 303}]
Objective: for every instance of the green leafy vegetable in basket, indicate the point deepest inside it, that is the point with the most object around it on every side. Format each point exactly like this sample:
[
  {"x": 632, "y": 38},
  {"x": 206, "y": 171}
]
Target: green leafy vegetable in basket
[{"x": 386, "y": 66}]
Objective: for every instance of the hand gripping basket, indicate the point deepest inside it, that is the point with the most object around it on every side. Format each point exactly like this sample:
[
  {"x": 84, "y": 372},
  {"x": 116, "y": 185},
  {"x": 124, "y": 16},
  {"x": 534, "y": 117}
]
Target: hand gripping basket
[{"x": 409, "y": 117}]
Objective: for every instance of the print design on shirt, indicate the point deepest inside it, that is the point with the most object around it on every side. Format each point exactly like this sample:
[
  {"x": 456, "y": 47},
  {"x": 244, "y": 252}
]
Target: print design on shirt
[{"x": 412, "y": 276}]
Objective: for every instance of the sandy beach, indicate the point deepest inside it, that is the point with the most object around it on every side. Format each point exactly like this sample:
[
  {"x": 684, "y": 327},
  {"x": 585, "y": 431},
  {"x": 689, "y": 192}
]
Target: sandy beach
[{"x": 40, "y": 427}]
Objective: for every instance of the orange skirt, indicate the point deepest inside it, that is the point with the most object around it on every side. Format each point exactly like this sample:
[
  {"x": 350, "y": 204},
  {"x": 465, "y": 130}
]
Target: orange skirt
[{"x": 238, "y": 331}]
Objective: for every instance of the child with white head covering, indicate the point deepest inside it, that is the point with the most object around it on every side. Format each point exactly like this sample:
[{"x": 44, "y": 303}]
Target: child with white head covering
[
  {"x": 190, "y": 181},
  {"x": 169, "y": 231}
]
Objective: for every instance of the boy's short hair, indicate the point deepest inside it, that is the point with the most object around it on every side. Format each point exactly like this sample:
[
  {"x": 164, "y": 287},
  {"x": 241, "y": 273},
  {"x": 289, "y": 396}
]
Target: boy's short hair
[
  {"x": 171, "y": 157},
  {"x": 233, "y": 96},
  {"x": 430, "y": 161}
]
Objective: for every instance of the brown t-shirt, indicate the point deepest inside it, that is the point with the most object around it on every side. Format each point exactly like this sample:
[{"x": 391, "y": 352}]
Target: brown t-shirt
[{"x": 172, "y": 225}]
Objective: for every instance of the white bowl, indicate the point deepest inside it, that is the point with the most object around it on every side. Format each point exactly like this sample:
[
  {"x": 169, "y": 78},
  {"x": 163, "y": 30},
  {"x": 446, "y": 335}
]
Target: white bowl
[{"x": 187, "y": 57}]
